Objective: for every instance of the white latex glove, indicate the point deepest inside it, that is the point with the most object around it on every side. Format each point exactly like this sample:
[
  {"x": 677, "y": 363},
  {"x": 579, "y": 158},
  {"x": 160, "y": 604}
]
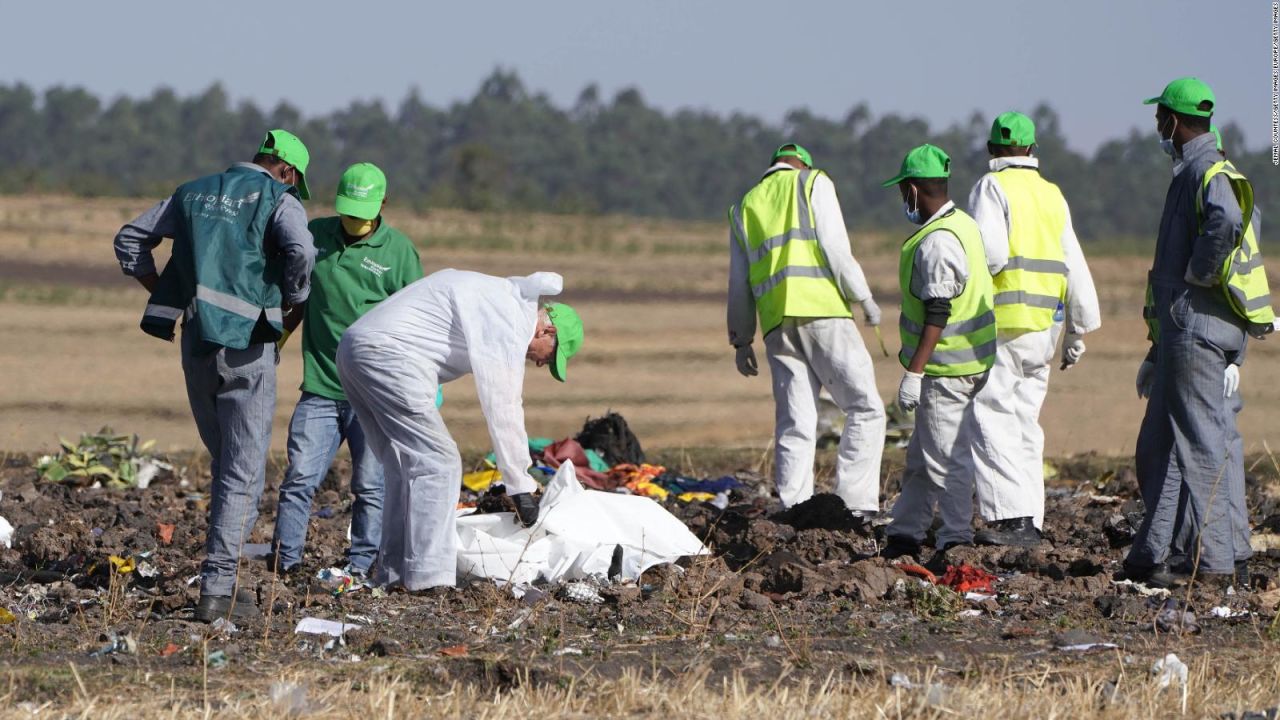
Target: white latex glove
[
  {"x": 1230, "y": 381},
  {"x": 1072, "y": 350},
  {"x": 909, "y": 391},
  {"x": 747, "y": 361},
  {"x": 871, "y": 311},
  {"x": 1146, "y": 378}
]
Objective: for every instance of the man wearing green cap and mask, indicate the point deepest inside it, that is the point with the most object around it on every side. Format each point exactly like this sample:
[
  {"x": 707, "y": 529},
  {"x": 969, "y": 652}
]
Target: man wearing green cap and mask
[
  {"x": 241, "y": 260},
  {"x": 948, "y": 332},
  {"x": 790, "y": 264},
  {"x": 1189, "y": 478},
  {"x": 1039, "y": 268},
  {"x": 449, "y": 324},
  {"x": 360, "y": 261}
]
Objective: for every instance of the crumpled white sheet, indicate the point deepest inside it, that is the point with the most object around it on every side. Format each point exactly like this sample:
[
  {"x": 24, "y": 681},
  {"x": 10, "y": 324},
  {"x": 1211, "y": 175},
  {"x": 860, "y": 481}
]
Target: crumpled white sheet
[{"x": 575, "y": 537}]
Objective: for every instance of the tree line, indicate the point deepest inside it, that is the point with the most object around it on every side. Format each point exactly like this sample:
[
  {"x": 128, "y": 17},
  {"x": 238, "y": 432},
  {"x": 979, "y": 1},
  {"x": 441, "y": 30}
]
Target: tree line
[{"x": 510, "y": 149}]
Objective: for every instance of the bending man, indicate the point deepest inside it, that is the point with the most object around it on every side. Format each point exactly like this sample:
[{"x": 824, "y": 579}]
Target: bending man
[{"x": 447, "y": 325}]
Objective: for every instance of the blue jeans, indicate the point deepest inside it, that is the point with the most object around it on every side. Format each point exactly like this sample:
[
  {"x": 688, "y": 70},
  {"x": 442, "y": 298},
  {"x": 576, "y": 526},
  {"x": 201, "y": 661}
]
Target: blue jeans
[
  {"x": 233, "y": 399},
  {"x": 318, "y": 427}
]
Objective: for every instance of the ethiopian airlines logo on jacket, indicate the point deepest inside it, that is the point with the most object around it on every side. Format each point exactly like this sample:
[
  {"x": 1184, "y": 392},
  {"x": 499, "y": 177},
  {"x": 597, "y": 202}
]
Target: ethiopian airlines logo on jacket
[{"x": 368, "y": 264}]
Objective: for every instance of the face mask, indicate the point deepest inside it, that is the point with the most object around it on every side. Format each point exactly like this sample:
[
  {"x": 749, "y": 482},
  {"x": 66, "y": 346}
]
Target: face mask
[
  {"x": 1166, "y": 143},
  {"x": 913, "y": 216},
  {"x": 356, "y": 227}
]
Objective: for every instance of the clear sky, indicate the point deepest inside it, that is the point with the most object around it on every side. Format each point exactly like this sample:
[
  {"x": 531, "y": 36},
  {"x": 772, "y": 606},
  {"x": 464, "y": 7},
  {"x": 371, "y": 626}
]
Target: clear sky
[{"x": 1092, "y": 60}]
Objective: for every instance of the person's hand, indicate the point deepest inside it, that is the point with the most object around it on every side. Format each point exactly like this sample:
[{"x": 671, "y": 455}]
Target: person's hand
[
  {"x": 1231, "y": 380},
  {"x": 871, "y": 311},
  {"x": 1146, "y": 378},
  {"x": 909, "y": 391},
  {"x": 747, "y": 361},
  {"x": 1072, "y": 350}
]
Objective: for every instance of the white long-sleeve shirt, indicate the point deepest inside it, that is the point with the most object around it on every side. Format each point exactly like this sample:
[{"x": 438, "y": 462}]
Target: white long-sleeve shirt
[
  {"x": 833, "y": 239},
  {"x": 939, "y": 269},
  {"x": 455, "y": 322},
  {"x": 990, "y": 208}
]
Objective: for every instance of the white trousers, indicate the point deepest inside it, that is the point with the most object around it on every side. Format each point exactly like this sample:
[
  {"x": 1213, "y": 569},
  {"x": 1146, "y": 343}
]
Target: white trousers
[
  {"x": 939, "y": 469},
  {"x": 394, "y": 399},
  {"x": 1009, "y": 452},
  {"x": 806, "y": 355}
]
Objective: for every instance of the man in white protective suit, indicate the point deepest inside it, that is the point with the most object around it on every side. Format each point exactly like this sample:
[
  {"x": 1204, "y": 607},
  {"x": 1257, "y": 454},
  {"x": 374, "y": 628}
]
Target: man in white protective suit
[
  {"x": 390, "y": 362},
  {"x": 1038, "y": 268}
]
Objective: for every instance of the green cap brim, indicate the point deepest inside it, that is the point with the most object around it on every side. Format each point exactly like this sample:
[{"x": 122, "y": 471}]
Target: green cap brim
[
  {"x": 303, "y": 192},
  {"x": 363, "y": 209},
  {"x": 1152, "y": 101},
  {"x": 560, "y": 366},
  {"x": 893, "y": 181}
]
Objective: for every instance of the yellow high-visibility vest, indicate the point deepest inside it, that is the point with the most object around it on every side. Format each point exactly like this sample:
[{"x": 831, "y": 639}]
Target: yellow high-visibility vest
[
  {"x": 789, "y": 273},
  {"x": 1034, "y": 281}
]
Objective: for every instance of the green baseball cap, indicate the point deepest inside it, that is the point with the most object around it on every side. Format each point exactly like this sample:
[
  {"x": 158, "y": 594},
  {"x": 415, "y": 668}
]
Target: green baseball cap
[
  {"x": 286, "y": 146},
  {"x": 568, "y": 336},
  {"x": 1217, "y": 136},
  {"x": 1013, "y": 128},
  {"x": 361, "y": 191},
  {"x": 926, "y": 161},
  {"x": 1186, "y": 95},
  {"x": 792, "y": 150}
]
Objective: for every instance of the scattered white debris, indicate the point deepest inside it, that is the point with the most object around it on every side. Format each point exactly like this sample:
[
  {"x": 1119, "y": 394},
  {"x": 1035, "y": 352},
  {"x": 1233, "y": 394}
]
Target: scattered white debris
[
  {"x": 568, "y": 651},
  {"x": 6, "y": 533},
  {"x": 1084, "y": 647},
  {"x": 1141, "y": 589},
  {"x": 318, "y": 626}
]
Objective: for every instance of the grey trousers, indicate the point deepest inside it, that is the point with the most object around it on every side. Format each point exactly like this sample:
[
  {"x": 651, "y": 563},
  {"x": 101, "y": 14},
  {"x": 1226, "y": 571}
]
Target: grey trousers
[
  {"x": 939, "y": 471},
  {"x": 394, "y": 399},
  {"x": 233, "y": 400},
  {"x": 1189, "y": 455}
]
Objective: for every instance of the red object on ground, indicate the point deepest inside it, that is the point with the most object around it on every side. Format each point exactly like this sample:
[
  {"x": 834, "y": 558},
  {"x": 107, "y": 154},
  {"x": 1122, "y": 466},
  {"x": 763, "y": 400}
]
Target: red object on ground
[
  {"x": 169, "y": 650},
  {"x": 967, "y": 578},
  {"x": 918, "y": 571},
  {"x": 164, "y": 531},
  {"x": 454, "y": 651},
  {"x": 569, "y": 449}
]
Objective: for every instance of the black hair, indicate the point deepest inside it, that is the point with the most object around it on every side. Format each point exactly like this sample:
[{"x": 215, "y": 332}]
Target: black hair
[
  {"x": 267, "y": 160},
  {"x": 932, "y": 187},
  {"x": 1195, "y": 123}
]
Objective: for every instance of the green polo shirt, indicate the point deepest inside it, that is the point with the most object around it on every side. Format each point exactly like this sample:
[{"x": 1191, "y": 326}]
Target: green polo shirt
[{"x": 347, "y": 281}]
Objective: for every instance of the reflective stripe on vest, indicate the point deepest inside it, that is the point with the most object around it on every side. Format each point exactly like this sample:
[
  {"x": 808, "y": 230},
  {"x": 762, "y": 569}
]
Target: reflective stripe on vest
[
  {"x": 1034, "y": 280},
  {"x": 968, "y": 342},
  {"x": 1243, "y": 277},
  {"x": 788, "y": 273}
]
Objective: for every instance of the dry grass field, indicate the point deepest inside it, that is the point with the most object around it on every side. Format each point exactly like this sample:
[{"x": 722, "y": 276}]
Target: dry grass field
[{"x": 650, "y": 292}]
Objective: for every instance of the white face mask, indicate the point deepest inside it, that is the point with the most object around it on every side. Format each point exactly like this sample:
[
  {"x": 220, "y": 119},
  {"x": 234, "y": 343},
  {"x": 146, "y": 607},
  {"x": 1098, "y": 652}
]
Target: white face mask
[
  {"x": 913, "y": 216},
  {"x": 1166, "y": 143}
]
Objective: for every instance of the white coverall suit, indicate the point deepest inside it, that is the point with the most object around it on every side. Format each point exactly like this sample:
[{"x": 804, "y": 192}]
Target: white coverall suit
[
  {"x": 939, "y": 465},
  {"x": 391, "y": 360},
  {"x": 808, "y": 354},
  {"x": 1009, "y": 453}
]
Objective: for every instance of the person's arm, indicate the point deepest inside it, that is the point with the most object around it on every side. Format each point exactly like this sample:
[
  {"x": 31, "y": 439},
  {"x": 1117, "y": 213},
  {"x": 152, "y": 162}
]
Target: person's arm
[
  {"x": 294, "y": 318},
  {"x": 411, "y": 266},
  {"x": 939, "y": 275},
  {"x": 290, "y": 237},
  {"x": 139, "y": 237},
  {"x": 833, "y": 239},
  {"x": 1222, "y": 224},
  {"x": 1082, "y": 312},
  {"x": 498, "y": 366},
  {"x": 741, "y": 316},
  {"x": 990, "y": 209}
]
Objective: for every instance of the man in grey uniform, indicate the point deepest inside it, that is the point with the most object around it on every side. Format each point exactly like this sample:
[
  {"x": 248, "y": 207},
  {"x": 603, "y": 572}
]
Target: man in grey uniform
[
  {"x": 1184, "y": 462},
  {"x": 242, "y": 257}
]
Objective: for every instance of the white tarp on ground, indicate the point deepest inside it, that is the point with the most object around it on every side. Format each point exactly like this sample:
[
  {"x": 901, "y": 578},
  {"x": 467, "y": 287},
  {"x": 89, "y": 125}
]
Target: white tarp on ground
[{"x": 575, "y": 536}]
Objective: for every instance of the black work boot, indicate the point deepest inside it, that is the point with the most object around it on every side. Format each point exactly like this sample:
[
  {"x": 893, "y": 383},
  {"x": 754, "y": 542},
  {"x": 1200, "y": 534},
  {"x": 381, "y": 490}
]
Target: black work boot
[
  {"x": 212, "y": 607},
  {"x": 1160, "y": 575},
  {"x": 897, "y": 546},
  {"x": 1019, "y": 532},
  {"x": 526, "y": 508}
]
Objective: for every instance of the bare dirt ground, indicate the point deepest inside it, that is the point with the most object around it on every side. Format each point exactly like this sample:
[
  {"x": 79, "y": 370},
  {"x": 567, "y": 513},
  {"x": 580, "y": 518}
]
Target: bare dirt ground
[
  {"x": 785, "y": 600},
  {"x": 790, "y": 615}
]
